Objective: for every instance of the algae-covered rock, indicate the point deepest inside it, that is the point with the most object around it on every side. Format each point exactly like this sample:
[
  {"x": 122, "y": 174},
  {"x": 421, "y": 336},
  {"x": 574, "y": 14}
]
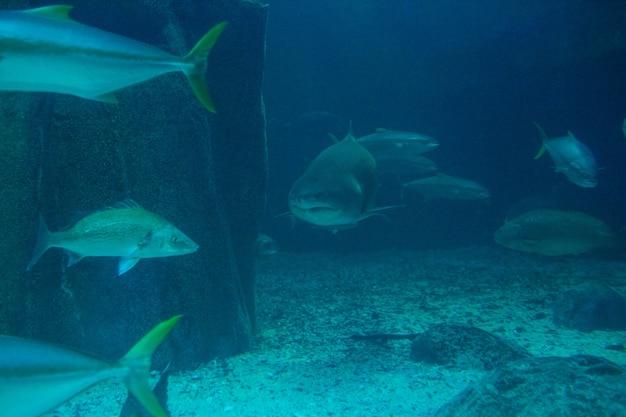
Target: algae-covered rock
[
  {"x": 462, "y": 346},
  {"x": 576, "y": 386}
]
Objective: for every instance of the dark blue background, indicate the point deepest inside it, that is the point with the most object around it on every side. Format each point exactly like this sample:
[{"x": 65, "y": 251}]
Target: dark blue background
[{"x": 473, "y": 74}]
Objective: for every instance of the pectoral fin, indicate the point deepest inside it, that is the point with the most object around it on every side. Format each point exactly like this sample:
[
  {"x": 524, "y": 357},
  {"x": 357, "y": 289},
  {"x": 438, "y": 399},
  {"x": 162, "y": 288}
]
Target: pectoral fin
[
  {"x": 73, "y": 257},
  {"x": 126, "y": 264},
  {"x": 145, "y": 240}
]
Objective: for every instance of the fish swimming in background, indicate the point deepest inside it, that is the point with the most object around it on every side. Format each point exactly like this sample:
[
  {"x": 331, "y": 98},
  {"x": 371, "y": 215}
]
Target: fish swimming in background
[
  {"x": 44, "y": 50},
  {"x": 265, "y": 245},
  {"x": 126, "y": 230},
  {"x": 448, "y": 187},
  {"x": 338, "y": 189},
  {"x": 554, "y": 233},
  {"x": 406, "y": 167},
  {"x": 394, "y": 143},
  {"x": 36, "y": 377},
  {"x": 571, "y": 157}
]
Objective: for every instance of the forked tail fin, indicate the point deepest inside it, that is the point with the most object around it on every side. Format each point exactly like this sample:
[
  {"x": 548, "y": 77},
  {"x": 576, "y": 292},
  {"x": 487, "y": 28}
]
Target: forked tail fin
[
  {"x": 42, "y": 244},
  {"x": 198, "y": 57},
  {"x": 544, "y": 137},
  {"x": 138, "y": 362}
]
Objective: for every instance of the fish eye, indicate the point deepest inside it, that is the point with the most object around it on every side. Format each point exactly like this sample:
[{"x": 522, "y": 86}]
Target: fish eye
[{"x": 174, "y": 239}]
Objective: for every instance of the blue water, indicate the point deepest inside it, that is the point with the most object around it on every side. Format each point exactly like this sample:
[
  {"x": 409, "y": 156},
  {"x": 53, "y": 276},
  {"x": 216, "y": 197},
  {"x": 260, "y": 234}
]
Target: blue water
[{"x": 474, "y": 75}]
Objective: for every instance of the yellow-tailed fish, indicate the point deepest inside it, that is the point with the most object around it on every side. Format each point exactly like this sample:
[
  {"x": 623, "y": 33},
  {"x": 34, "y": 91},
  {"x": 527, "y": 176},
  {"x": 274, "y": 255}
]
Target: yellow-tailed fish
[
  {"x": 35, "y": 376},
  {"x": 43, "y": 49},
  {"x": 571, "y": 157},
  {"x": 126, "y": 230}
]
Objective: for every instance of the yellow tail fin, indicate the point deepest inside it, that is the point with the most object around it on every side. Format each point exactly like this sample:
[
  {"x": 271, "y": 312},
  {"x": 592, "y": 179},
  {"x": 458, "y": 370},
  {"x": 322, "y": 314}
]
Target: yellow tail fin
[
  {"x": 198, "y": 56},
  {"x": 544, "y": 137},
  {"x": 138, "y": 361}
]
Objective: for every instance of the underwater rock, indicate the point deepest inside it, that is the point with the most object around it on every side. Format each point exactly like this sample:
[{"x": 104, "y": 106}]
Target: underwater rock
[
  {"x": 591, "y": 307},
  {"x": 577, "y": 386},
  {"x": 463, "y": 347}
]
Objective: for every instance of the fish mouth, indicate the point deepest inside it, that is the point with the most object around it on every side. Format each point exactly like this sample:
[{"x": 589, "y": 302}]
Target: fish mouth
[
  {"x": 312, "y": 208},
  {"x": 183, "y": 245},
  {"x": 317, "y": 213}
]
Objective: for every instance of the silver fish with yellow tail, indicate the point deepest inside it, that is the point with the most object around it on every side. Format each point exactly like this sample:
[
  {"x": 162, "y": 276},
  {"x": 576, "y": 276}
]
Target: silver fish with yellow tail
[
  {"x": 36, "y": 377},
  {"x": 43, "y": 49}
]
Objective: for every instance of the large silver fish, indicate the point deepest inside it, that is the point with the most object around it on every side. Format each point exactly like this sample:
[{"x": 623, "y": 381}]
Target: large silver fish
[
  {"x": 36, "y": 377},
  {"x": 43, "y": 49},
  {"x": 571, "y": 157},
  {"x": 126, "y": 230},
  {"x": 554, "y": 232},
  {"x": 394, "y": 143},
  {"x": 448, "y": 187},
  {"x": 338, "y": 189}
]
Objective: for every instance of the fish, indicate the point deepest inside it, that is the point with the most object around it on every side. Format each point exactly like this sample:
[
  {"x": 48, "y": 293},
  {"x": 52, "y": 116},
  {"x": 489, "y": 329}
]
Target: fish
[
  {"x": 406, "y": 166},
  {"x": 132, "y": 406},
  {"x": 571, "y": 157},
  {"x": 45, "y": 50},
  {"x": 448, "y": 187},
  {"x": 554, "y": 233},
  {"x": 265, "y": 245},
  {"x": 36, "y": 377},
  {"x": 393, "y": 143},
  {"x": 338, "y": 189},
  {"x": 126, "y": 230}
]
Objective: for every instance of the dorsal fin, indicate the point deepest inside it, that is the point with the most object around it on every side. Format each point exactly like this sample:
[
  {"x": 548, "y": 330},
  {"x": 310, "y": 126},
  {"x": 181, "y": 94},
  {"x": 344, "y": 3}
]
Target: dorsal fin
[
  {"x": 349, "y": 135},
  {"x": 58, "y": 12},
  {"x": 380, "y": 130},
  {"x": 126, "y": 203},
  {"x": 571, "y": 135}
]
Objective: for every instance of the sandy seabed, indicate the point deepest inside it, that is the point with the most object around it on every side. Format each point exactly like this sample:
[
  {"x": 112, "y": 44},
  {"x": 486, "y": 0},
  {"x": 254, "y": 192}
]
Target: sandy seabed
[{"x": 304, "y": 364}]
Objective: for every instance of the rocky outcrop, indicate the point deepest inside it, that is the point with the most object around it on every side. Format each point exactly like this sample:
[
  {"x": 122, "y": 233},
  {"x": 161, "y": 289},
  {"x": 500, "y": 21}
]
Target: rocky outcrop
[{"x": 577, "y": 386}]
